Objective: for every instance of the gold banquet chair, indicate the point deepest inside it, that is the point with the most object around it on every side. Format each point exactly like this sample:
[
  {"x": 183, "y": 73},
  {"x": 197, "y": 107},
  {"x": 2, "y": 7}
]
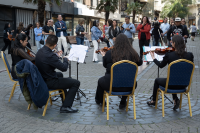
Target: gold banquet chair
[
  {"x": 49, "y": 99},
  {"x": 180, "y": 72},
  {"x": 123, "y": 74},
  {"x": 6, "y": 63}
]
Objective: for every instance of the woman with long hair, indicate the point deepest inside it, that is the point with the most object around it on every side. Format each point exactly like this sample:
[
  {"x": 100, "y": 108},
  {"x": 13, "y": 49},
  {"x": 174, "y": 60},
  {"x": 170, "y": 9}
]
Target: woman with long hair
[
  {"x": 38, "y": 35},
  {"x": 7, "y": 42},
  {"x": 179, "y": 53},
  {"x": 107, "y": 27},
  {"x": 18, "y": 52},
  {"x": 27, "y": 32},
  {"x": 144, "y": 34},
  {"x": 80, "y": 32},
  {"x": 114, "y": 31},
  {"x": 122, "y": 46},
  {"x": 20, "y": 28},
  {"x": 96, "y": 34}
]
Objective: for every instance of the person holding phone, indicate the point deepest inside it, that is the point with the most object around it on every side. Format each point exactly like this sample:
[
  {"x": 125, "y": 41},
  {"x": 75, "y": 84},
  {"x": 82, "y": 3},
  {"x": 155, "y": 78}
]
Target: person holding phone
[{"x": 80, "y": 32}]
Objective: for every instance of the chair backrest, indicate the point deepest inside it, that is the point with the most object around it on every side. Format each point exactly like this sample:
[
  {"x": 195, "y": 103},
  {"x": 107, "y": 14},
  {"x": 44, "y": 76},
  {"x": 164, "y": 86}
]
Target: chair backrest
[
  {"x": 123, "y": 74},
  {"x": 180, "y": 72},
  {"x": 6, "y": 63}
]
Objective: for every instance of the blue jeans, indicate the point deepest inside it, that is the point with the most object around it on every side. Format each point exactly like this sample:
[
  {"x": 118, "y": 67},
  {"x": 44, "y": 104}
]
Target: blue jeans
[{"x": 80, "y": 41}]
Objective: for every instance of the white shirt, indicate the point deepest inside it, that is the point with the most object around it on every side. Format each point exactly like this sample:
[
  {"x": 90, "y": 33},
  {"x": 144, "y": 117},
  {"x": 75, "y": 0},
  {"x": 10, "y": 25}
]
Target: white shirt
[{"x": 165, "y": 27}]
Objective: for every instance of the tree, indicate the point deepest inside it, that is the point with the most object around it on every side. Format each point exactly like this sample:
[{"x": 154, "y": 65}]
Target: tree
[
  {"x": 107, "y": 6},
  {"x": 41, "y": 7},
  {"x": 135, "y": 8}
]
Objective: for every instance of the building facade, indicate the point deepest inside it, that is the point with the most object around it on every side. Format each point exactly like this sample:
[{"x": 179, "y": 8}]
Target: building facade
[{"x": 194, "y": 16}]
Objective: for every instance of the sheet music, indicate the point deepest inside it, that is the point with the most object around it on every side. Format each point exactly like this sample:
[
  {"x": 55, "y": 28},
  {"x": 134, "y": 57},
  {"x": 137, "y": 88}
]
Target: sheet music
[
  {"x": 78, "y": 53},
  {"x": 148, "y": 56}
]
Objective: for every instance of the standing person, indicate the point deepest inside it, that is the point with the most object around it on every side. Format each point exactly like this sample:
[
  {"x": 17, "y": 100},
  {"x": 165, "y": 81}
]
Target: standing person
[
  {"x": 122, "y": 46},
  {"x": 171, "y": 24},
  {"x": 20, "y": 28},
  {"x": 193, "y": 30},
  {"x": 47, "y": 61},
  {"x": 109, "y": 24},
  {"x": 96, "y": 34},
  {"x": 129, "y": 29},
  {"x": 27, "y": 32},
  {"x": 38, "y": 35},
  {"x": 185, "y": 27},
  {"x": 144, "y": 34},
  {"x": 80, "y": 32},
  {"x": 164, "y": 27},
  {"x": 47, "y": 30},
  {"x": 7, "y": 31},
  {"x": 176, "y": 29},
  {"x": 152, "y": 27},
  {"x": 114, "y": 31},
  {"x": 61, "y": 28},
  {"x": 156, "y": 33}
]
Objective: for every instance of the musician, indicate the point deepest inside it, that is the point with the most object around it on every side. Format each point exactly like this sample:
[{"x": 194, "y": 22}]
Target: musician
[
  {"x": 27, "y": 32},
  {"x": 179, "y": 53},
  {"x": 18, "y": 52},
  {"x": 128, "y": 29},
  {"x": 47, "y": 30},
  {"x": 61, "y": 28},
  {"x": 7, "y": 31},
  {"x": 96, "y": 34},
  {"x": 80, "y": 32},
  {"x": 122, "y": 46},
  {"x": 177, "y": 29},
  {"x": 20, "y": 28},
  {"x": 144, "y": 34},
  {"x": 46, "y": 62},
  {"x": 114, "y": 30}
]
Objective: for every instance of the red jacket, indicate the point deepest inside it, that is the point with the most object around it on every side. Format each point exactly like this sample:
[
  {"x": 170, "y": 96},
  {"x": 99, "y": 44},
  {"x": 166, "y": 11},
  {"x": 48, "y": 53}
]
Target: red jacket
[{"x": 146, "y": 29}]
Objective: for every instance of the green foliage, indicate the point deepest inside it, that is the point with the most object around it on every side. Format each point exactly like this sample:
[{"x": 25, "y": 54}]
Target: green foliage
[
  {"x": 134, "y": 6},
  {"x": 107, "y": 6}
]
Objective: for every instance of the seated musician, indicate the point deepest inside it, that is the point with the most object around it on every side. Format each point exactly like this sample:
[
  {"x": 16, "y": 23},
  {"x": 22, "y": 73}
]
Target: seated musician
[
  {"x": 47, "y": 61},
  {"x": 179, "y": 53},
  {"x": 122, "y": 50},
  {"x": 18, "y": 52}
]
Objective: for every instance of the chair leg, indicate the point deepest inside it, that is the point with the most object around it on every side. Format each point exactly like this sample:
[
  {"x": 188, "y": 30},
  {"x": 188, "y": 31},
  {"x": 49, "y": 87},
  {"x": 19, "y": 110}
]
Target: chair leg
[
  {"x": 103, "y": 106},
  {"x": 127, "y": 103},
  {"x": 107, "y": 99},
  {"x": 45, "y": 108},
  {"x": 190, "y": 109},
  {"x": 181, "y": 95},
  {"x": 163, "y": 108},
  {"x": 63, "y": 95},
  {"x": 29, "y": 106},
  {"x": 134, "y": 108},
  {"x": 13, "y": 90},
  {"x": 157, "y": 99}
]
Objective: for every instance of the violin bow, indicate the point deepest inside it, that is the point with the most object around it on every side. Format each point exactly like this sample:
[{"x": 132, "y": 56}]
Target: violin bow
[
  {"x": 161, "y": 38},
  {"x": 30, "y": 50},
  {"x": 107, "y": 39}
]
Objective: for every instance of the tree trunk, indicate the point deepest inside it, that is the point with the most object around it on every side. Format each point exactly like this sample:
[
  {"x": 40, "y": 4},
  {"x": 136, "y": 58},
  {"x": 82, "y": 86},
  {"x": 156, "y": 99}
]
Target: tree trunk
[
  {"x": 134, "y": 12},
  {"x": 106, "y": 16},
  {"x": 41, "y": 9}
]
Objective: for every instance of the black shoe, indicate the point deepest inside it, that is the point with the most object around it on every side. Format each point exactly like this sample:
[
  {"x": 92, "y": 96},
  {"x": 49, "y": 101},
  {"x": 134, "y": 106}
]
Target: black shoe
[
  {"x": 99, "y": 103},
  {"x": 177, "y": 104},
  {"x": 150, "y": 103},
  {"x": 68, "y": 110},
  {"x": 122, "y": 105},
  {"x": 147, "y": 63}
]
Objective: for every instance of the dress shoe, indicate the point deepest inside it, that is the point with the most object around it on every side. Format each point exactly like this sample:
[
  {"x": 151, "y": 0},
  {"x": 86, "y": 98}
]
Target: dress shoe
[
  {"x": 99, "y": 103},
  {"x": 177, "y": 104},
  {"x": 151, "y": 103},
  {"x": 68, "y": 110},
  {"x": 122, "y": 105}
]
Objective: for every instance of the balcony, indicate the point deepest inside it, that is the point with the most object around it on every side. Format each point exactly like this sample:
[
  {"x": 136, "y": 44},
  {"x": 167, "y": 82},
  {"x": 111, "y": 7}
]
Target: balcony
[
  {"x": 158, "y": 8},
  {"x": 144, "y": 1}
]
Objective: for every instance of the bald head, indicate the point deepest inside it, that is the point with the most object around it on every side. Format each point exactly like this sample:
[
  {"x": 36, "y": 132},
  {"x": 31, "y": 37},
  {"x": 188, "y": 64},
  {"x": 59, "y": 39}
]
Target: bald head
[{"x": 59, "y": 17}]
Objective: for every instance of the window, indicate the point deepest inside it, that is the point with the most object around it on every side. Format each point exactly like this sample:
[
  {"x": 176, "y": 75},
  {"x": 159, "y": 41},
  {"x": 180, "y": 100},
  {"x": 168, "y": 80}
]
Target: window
[{"x": 155, "y": 3}]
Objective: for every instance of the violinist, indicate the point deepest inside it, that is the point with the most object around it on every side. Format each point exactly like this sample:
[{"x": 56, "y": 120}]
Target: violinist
[
  {"x": 179, "y": 53},
  {"x": 122, "y": 46},
  {"x": 7, "y": 42},
  {"x": 18, "y": 52}
]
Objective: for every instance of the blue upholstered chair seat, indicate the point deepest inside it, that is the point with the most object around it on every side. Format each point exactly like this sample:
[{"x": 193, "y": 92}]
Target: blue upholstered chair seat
[
  {"x": 120, "y": 93},
  {"x": 172, "y": 90},
  {"x": 15, "y": 79}
]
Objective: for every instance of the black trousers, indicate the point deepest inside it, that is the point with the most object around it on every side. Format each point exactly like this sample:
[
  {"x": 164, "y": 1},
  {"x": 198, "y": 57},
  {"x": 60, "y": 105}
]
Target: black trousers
[
  {"x": 143, "y": 42},
  {"x": 103, "y": 85},
  {"x": 65, "y": 83},
  {"x": 156, "y": 41},
  {"x": 7, "y": 44},
  {"x": 162, "y": 82}
]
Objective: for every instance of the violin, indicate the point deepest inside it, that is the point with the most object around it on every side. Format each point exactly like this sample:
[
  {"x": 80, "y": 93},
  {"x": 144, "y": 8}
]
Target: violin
[
  {"x": 30, "y": 52},
  {"x": 160, "y": 51},
  {"x": 105, "y": 49},
  {"x": 11, "y": 38}
]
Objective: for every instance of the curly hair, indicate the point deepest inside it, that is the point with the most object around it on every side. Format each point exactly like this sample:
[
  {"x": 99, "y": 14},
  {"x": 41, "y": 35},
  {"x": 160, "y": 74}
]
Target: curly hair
[
  {"x": 81, "y": 21},
  {"x": 179, "y": 45},
  {"x": 123, "y": 50}
]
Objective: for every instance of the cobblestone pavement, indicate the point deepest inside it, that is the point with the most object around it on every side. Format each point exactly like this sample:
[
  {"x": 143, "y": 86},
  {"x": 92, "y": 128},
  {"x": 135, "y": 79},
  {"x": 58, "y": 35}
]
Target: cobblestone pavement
[{"x": 90, "y": 119}]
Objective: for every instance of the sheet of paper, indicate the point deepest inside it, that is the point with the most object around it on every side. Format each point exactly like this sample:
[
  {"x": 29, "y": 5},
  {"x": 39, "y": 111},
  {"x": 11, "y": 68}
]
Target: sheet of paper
[
  {"x": 78, "y": 53},
  {"x": 148, "y": 56}
]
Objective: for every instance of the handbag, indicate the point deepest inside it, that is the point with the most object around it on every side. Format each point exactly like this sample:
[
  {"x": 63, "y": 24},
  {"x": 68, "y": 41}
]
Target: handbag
[{"x": 42, "y": 41}]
